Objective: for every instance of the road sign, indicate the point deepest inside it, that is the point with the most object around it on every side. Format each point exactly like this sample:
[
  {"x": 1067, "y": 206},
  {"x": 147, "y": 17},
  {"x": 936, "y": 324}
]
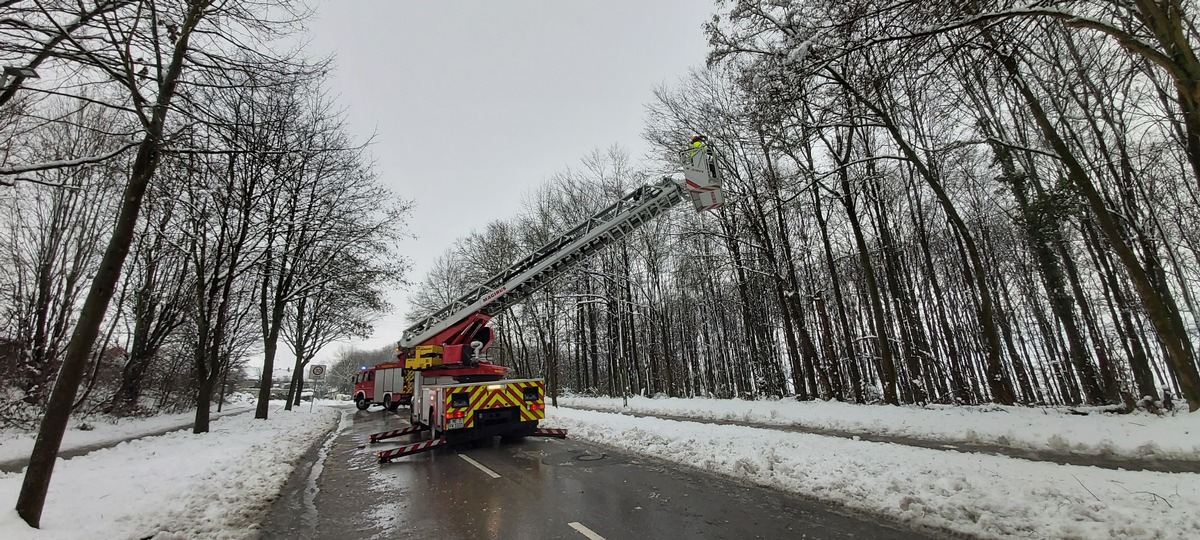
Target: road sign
[{"x": 317, "y": 371}]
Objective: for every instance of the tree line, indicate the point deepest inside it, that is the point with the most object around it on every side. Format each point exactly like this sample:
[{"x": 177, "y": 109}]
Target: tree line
[
  {"x": 180, "y": 195},
  {"x": 928, "y": 202}
]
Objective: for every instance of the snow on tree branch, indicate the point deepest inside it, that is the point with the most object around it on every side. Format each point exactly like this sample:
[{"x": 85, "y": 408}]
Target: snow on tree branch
[{"x": 64, "y": 163}]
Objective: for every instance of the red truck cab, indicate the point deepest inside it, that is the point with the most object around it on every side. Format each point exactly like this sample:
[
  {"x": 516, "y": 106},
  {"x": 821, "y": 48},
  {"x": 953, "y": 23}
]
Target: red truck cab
[{"x": 387, "y": 384}]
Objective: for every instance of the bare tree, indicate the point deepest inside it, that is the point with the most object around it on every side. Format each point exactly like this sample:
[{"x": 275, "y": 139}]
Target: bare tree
[
  {"x": 51, "y": 241},
  {"x": 159, "y": 284},
  {"x": 145, "y": 48},
  {"x": 342, "y": 307}
]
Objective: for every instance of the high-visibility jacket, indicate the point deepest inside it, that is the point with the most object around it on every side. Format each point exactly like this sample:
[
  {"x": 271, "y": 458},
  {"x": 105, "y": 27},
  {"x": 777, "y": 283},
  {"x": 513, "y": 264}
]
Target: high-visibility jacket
[{"x": 696, "y": 148}]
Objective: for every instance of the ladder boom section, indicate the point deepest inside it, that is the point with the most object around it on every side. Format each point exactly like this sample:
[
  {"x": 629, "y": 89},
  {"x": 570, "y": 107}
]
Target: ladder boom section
[{"x": 551, "y": 260}]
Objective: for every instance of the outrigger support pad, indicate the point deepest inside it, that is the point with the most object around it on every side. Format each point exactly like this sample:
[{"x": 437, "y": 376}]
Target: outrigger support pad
[
  {"x": 549, "y": 432},
  {"x": 387, "y": 456},
  {"x": 376, "y": 437}
]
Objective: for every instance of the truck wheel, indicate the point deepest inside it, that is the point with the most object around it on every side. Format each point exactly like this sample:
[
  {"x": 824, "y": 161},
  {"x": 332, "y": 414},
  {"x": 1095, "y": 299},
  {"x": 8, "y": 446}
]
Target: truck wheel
[
  {"x": 361, "y": 403},
  {"x": 387, "y": 403}
]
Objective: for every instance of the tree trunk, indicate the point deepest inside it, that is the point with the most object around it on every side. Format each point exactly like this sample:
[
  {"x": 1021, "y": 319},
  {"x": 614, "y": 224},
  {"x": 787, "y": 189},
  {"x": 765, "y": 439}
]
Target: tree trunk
[
  {"x": 270, "y": 349},
  {"x": 879, "y": 323},
  {"x": 998, "y": 382},
  {"x": 32, "y": 497},
  {"x": 1157, "y": 306},
  {"x": 204, "y": 392},
  {"x": 58, "y": 409},
  {"x": 856, "y": 387}
]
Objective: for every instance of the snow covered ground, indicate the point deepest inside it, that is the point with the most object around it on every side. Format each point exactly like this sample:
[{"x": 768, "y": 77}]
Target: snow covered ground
[
  {"x": 1131, "y": 435},
  {"x": 173, "y": 486},
  {"x": 985, "y": 495},
  {"x": 217, "y": 485},
  {"x": 17, "y": 446}
]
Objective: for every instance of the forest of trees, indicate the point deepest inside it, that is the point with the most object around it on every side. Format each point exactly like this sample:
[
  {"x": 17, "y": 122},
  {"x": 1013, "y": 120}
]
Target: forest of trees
[
  {"x": 927, "y": 202},
  {"x": 178, "y": 194},
  {"x": 171, "y": 149}
]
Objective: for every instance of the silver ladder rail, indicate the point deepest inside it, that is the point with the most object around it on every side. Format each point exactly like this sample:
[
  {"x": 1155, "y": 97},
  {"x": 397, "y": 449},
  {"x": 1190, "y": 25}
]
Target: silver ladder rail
[{"x": 532, "y": 273}]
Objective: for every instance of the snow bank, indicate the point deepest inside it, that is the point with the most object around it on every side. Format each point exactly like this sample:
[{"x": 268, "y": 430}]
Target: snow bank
[
  {"x": 1129, "y": 435},
  {"x": 976, "y": 494},
  {"x": 173, "y": 486},
  {"x": 99, "y": 430}
]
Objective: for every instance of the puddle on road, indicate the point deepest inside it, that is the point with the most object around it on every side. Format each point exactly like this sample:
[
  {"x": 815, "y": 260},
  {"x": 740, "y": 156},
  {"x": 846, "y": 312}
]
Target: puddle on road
[
  {"x": 309, "y": 517},
  {"x": 579, "y": 458}
]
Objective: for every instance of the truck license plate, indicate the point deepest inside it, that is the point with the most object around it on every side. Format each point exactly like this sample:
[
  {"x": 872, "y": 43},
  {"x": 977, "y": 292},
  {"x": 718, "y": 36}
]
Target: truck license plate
[{"x": 455, "y": 423}]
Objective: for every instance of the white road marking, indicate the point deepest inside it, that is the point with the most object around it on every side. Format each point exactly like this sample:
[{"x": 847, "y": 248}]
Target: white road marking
[
  {"x": 585, "y": 531},
  {"x": 489, "y": 472}
]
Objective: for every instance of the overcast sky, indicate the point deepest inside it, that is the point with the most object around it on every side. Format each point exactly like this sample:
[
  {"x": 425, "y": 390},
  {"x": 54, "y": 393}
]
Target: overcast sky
[{"x": 474, "y": 103}]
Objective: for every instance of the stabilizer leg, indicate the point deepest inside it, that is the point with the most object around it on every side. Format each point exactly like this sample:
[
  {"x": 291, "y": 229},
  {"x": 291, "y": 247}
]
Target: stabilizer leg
[
  {"x": 376, "y": 437},
  {"x": 549, "y": 432},
  {"x": 387, "y": 456}
]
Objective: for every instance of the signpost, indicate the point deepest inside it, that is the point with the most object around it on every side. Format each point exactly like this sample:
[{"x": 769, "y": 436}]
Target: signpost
[{"x": 316, "y": 373}]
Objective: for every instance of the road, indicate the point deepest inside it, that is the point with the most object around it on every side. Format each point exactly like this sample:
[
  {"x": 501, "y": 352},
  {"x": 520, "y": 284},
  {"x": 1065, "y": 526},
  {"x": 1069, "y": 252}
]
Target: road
[{"x": 534, "y": 489}]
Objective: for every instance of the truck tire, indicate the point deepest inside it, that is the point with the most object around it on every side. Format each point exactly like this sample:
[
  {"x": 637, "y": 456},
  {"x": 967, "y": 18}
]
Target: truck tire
[
  {"x": 387, "y": 403},
  {"x": 361, "y": 403}
]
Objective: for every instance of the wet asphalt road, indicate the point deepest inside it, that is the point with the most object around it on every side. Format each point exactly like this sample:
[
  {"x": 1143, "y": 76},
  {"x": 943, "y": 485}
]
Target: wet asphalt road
[{"x": 532, "y": 489}]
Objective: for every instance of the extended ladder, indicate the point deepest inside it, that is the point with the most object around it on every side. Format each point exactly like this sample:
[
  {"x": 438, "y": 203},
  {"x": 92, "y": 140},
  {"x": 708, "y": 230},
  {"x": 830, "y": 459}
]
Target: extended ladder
[{"x": 547, "y": 262}]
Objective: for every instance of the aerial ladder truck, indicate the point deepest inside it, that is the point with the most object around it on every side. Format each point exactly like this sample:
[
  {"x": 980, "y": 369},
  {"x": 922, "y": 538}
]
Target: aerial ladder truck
[{"x": 457, "y": 393}]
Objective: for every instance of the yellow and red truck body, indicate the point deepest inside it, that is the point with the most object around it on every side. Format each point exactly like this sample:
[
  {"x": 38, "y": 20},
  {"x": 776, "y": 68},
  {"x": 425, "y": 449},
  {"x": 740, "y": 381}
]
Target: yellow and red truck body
[{"x": 465, "y": 411}]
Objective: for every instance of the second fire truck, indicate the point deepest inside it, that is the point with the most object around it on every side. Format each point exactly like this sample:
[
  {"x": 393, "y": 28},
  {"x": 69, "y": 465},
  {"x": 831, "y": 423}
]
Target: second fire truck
[{"x": 387, "y": 384}]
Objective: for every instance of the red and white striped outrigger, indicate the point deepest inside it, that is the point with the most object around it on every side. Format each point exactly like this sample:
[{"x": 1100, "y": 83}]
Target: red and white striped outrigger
[
  {"x": 376, "y": 437},
  {"x": 386, "y": 456},
  {"x": 550, "y": 432}
]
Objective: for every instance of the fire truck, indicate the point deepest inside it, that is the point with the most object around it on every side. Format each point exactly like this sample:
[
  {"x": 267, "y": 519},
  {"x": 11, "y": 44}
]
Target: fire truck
[
  {"x": 388, "y": 384},
  {"x": 458, "y": 394}
]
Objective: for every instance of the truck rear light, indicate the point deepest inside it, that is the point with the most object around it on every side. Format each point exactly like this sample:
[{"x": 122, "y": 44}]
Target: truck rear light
[
  {"x": 532, "y": 394},
  {"x": 537, "y": 406},
  {"x": 451, "y": 415}
]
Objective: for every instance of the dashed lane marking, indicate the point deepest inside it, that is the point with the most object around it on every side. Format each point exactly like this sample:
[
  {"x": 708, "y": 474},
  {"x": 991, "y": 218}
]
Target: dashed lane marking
[
  {"x": 590, "y": 534},
  {"x": 489, "y": 472}
]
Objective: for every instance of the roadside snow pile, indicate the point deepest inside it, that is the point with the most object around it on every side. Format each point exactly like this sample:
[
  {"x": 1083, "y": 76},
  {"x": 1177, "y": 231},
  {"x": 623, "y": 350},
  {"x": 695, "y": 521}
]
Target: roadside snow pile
[
  {"x": 101, "y": 430},
  {"x": 1129, "y": 435},
  {"x": 178, "y": 485},
  {"x": 976, "y": 494}
]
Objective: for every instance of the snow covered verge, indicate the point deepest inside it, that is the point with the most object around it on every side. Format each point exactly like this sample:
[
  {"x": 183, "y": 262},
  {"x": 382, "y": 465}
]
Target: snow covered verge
[
  {"x": 92, "y": 431},
  {"x": 174, "y": 486},
  {"x": 1128, "y": 435},
  {"x": 976, "y": 494}
]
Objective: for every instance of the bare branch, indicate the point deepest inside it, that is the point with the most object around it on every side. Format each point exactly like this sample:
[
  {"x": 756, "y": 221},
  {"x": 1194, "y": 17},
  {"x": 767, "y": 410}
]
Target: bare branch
[{"x": 19, "y": 169}]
